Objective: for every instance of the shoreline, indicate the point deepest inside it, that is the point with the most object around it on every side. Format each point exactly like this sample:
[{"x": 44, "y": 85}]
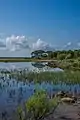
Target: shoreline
[
  {"x": 25, "y": 60},
  {"x": 66, "y": 64}
]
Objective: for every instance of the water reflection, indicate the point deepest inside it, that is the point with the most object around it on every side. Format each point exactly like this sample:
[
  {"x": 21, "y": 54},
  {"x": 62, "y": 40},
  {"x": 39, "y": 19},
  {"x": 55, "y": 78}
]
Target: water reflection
[
  {"x": 38, "y": 64},
  {"x": 13, "y": 92},
  {"x": 30, "y": 66},
  {"x": 45, "y": 67}
]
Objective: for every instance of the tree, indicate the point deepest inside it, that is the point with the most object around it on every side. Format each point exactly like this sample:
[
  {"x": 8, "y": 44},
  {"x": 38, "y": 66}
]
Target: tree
[
  {"x": 37, "y": 53},
  {"x": 61, "y": 56}
]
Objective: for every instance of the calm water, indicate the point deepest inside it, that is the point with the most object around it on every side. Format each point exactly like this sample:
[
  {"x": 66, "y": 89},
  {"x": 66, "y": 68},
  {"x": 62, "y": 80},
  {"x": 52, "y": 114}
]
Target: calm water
[
  {"x": 28, "y": 65},
  {"x": 13, "y": 93}
]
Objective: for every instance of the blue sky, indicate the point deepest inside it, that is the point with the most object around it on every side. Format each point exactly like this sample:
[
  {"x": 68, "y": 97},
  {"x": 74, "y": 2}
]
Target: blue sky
[{"x": 55, "y": 22}]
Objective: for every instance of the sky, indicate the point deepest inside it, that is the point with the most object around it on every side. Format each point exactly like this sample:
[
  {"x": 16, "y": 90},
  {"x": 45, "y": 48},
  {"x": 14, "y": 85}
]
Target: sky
[{"x": 27, "y": 25}]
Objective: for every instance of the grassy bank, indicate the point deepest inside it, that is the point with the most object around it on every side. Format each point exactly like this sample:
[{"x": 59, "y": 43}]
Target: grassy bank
[
  {"x": 16, "y": 60},
  {"x": 24, "y": 60}
]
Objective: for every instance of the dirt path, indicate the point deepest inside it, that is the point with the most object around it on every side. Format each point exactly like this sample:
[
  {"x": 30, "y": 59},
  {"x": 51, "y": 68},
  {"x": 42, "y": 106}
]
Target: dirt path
[{"x": 66, "y": 112}]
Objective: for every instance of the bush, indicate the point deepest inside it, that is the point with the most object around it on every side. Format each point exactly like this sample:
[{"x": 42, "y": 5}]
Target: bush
[
  {"x": 61, "y": 56},
  {"x": 20, "y": 113},
  {"x": 75, "y": 64},
  {"x": 37, "y": 106}
]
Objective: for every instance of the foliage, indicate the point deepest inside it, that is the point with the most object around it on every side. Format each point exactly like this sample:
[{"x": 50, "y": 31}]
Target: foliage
[
  {"x": 37, "y": 53},
  {"x": 20, "y": 113},
  {"x": 61, "y": 56},
  {"x": 68, "y": 77},
  {"x": 69, "y": 54},
  {"x": 69, "y": 59},
  {"x": 38, "y": 105}
]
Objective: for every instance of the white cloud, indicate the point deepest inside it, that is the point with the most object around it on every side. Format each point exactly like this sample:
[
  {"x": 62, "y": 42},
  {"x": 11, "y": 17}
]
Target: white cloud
[
  {"x": 2, "y": 44},
  {"x": 78, "y": 44},
  {"x": 17, "y": 43},
  {"x": 14, "y": 43},
  {"x": 68, "y": 44},
  {"x": 41, "y": 45},
  {"x": 22, "y": 45}
]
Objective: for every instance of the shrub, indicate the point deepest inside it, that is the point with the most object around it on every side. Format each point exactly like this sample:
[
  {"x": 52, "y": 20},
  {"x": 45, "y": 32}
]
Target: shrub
[
  {"x": 38, "y": 105},
  {"x": 75, "y": 64},
  {"x": 61, "y": 56},
  {"x": 20, "y": 111}
]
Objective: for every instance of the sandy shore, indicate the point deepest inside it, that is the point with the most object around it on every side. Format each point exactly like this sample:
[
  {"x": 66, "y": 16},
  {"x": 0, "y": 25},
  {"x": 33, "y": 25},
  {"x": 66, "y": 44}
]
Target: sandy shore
[{"x": 66, "y": 112}]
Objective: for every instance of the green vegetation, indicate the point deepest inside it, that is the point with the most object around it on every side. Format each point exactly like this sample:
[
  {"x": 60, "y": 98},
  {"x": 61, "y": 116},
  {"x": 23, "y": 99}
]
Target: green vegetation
[
  {"x": 67, "y": 77},
  {"x": 17, "y": 59},
  {"x": 58, "y": 55},
  {"x": 38, "y": 105},
  {"x": 20, "y": 113},
  {"x": 63, "y": 59}
]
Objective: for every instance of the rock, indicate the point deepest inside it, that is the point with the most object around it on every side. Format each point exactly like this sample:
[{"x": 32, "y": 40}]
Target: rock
[
  {"x": 68, "y": 100},
  {"x": 75, "y": 98},
  {"x": 61, "y": 94}
]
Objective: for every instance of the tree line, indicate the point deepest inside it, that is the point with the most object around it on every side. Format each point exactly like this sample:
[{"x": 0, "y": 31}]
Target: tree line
[{"x": 61, "y": 55}]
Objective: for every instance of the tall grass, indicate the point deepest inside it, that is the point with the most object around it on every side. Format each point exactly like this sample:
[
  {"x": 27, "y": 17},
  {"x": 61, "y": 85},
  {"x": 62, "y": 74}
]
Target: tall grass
[
  {"x": 68, "y": 77},
  {"x": 55, "y": 77}
]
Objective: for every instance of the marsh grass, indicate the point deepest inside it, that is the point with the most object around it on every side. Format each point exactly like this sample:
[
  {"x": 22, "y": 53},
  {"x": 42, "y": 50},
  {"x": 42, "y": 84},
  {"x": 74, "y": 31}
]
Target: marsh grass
[{"x": 68, "y": 77}]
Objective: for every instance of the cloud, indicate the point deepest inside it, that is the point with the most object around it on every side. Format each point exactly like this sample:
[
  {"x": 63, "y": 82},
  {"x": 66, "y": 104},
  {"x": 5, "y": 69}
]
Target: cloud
[
  {"x": 41, "y": 45},
  {"x": 78, "y": 44},
  {"x": 71, "y": 46},
  {"x": 68, "y": 44},
  {"x": 2, "y": 44},
  {"x": 17, "y": 43},
  {"x": 14, "y": 43},
  {"x": 27, "y": 44}
]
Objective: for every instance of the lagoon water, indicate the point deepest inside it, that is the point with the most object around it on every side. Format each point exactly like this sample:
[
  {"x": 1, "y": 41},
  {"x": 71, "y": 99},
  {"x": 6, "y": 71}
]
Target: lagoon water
[
  {"x": 14, "y": 93},
  {"x": 30, "y": 66}
]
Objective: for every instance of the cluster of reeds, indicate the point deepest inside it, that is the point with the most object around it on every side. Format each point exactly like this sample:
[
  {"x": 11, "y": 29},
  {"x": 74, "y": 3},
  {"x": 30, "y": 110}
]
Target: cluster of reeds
[{"x": 68, "y": 77}]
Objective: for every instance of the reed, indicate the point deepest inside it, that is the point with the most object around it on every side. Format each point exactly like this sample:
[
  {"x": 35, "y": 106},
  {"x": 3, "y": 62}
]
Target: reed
[{"x": 68, "y": 77}]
